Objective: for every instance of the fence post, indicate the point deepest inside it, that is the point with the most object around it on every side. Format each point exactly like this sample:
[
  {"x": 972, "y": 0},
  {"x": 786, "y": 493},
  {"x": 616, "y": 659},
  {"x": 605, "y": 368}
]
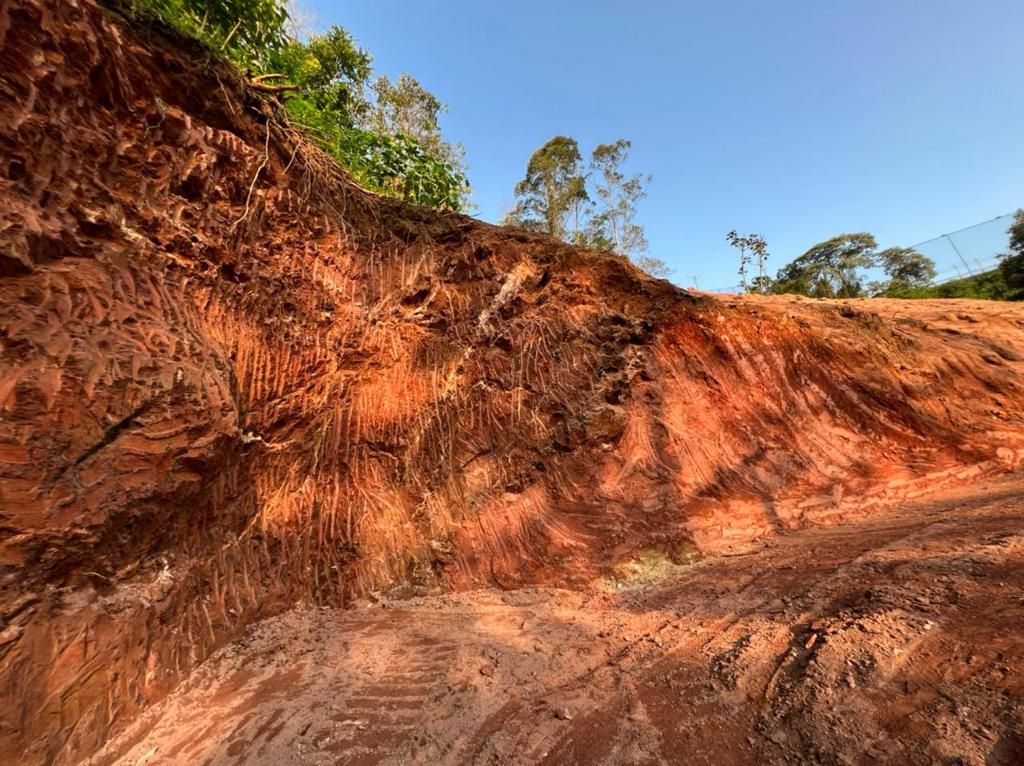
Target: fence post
[{"x": 962, "y": 259}]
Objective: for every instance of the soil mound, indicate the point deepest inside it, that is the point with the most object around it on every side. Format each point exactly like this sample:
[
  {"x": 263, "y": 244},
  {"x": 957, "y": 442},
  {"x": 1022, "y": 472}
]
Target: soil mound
[{"x": 230, "y": 380}]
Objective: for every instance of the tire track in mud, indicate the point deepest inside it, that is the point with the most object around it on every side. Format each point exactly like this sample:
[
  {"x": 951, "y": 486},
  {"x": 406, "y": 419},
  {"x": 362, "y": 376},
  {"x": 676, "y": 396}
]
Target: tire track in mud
[
  {"x": 781, "y": 631},
  {"x": 892, "y": 637},
  {"x": 767, "y": 656},
  {"x": 382, "y": 713}
]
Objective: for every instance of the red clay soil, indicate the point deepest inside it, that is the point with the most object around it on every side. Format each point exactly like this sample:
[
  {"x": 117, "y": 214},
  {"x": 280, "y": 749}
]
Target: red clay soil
[
  {"x": 231, "y": 380},
  {"x": 892, "y": 639}
]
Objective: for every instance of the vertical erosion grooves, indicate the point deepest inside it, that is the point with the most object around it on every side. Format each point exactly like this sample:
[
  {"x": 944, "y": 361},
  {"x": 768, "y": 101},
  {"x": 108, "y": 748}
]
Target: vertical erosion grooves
[{"x": 230, "y": 379}]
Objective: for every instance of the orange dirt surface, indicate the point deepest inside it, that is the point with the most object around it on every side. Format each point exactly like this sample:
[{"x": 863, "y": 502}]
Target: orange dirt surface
[
  {"x": 231, "y": 381},
  {"x": 893, "y": 639}
]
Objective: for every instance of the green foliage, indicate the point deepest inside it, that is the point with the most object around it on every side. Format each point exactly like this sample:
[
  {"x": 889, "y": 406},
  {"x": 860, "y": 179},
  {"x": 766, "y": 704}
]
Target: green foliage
[
  {"x": 907, "y": 270},
  {"x": 829, "y": 269},
  {"x": 1011, "y": 264},
  {"x": 989, "y": 285},
  {"x": 555, "y": 193},
  {"x": 1005, "y": 282},
  {"x": 762, "y": 284},
  {"x": 247, "y": 31},
  {"x": 390, "y": 143},
  {"x": 331, "y": 72},
  {"x": 753, "y": 250},
  {"x": 392, "y": 165},
  {"x": 400, "y": 167},
  {"x": 405, "y": 108},
  {"x": 618, "y": 197},
  {"x": 553, "y": 184}
]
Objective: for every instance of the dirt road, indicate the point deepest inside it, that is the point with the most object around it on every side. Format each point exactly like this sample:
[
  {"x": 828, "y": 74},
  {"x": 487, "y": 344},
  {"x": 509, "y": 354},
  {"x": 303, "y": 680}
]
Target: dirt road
[{"x": 895, "y": 640}]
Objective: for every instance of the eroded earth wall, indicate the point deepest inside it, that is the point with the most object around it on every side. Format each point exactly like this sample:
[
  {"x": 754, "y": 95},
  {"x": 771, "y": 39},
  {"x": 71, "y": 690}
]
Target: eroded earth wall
[{"x": 231, "y": 380}]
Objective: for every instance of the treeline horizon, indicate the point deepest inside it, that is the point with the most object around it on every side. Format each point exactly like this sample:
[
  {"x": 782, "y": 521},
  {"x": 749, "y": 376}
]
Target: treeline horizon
[{"x": 387, "y": 135}]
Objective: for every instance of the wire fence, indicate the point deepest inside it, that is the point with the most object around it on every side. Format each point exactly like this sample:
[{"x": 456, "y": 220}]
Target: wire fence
[
  {"x": 962, "y": 253},
  {"x": 968, "y": 251}
]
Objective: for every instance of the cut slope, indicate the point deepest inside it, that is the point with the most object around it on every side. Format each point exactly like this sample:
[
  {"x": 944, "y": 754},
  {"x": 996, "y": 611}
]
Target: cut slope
[
  {"x": 892, "y": 639},
  {"x": 230, "y": 379}
]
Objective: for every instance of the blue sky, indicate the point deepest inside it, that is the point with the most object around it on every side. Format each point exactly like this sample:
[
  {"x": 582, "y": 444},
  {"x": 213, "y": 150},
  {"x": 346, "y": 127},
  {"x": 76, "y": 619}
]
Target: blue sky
[{"x": 798, "y": 120}]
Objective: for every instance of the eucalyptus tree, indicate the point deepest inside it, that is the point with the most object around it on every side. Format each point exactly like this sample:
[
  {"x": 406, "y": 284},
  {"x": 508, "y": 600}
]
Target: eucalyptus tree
[
  {"x": 553, "y": 186},
  {"x": 617, "y": 198}
]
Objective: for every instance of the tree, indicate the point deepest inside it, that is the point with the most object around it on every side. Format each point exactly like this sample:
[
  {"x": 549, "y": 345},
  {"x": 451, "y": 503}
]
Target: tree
[
  {"x": 752, "y": 247},
  {"x": 406, "y": 108},
  {"x": 617, "y": 199},
  {"x": 829, "y": 269},
  {"x": 740, "y": 243},
  {"x": 386, "y": 136},
  {"x": 331, "y": 71},
  {"x": 906, "y": 268},
  {"x": 555, "y": 197},
  {"x": 653, "y": 266},
  {"x": 553, "y": 185},
  {"x": 385, "y": 143},
  {"x": 399, "y": 167},
  {"x": 580, "y": 207},
  {"x": 246, "y": 30},
  {"x": 763, "y": 285},
  {"x": 1011, "y": 264}
]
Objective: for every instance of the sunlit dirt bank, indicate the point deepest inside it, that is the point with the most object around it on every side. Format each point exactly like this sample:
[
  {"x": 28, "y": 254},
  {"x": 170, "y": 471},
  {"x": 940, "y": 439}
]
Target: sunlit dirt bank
[
  {"x": 890, "y": 639},
  {"x": 231, "y": 381}
]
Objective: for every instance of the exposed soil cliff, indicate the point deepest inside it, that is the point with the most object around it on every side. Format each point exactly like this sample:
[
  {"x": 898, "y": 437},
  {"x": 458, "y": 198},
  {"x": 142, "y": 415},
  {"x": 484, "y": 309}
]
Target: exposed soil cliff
[{"x": 230, "y": 380}]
